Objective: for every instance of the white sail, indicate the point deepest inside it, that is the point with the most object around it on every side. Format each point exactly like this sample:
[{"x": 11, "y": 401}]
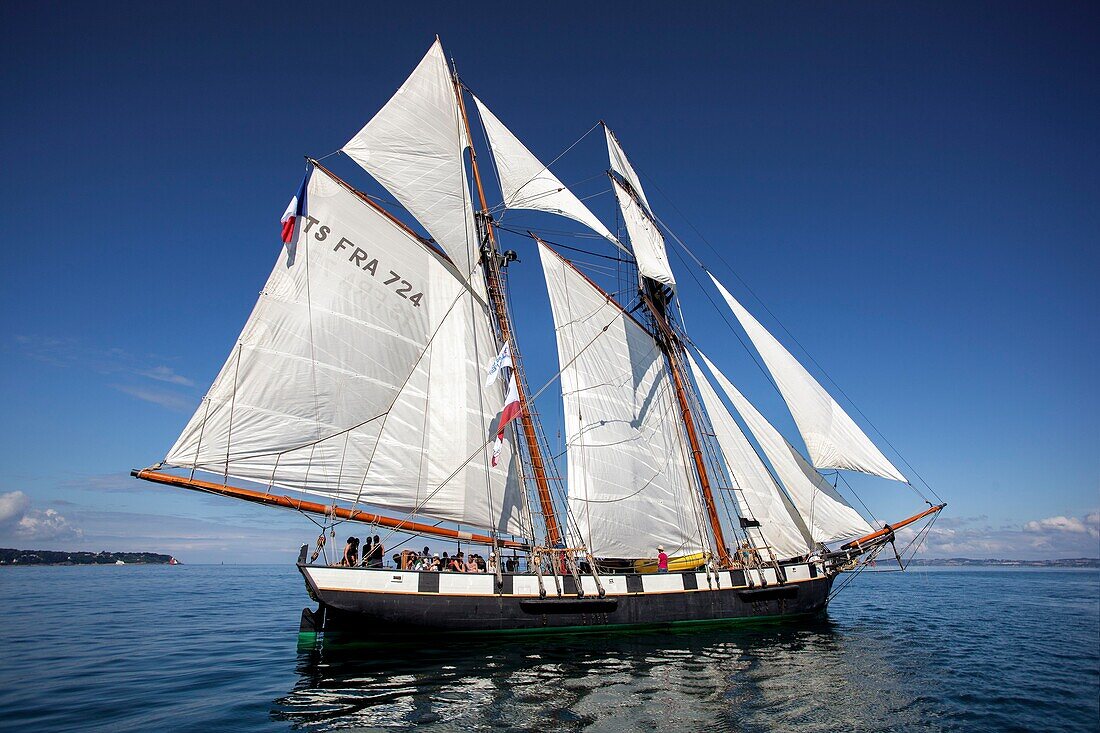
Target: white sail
[
  {"x": 782, "y": 528},
  {"x": 645, "y": 239},
  {"x": 527, "y": 184},
  {"x": 358, "y": 376},
  {"x": 630, "y": 486},
  {"x": 414, "y": 147},
  {"x": 825, "y": 512},
  {"x": 833, "y": 439},
  {"x": 621, "y": 165}
]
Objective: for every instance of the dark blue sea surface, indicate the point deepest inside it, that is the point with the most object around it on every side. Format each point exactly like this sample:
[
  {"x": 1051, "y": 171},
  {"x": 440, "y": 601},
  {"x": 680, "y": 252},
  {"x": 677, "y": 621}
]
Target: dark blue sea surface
[{"x": 214, "y": 648}]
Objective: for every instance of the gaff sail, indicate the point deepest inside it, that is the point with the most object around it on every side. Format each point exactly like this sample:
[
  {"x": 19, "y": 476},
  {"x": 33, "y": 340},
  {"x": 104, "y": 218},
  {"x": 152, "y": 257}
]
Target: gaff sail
[
  {"x": 359, "y": 377},
  {"x": 629, "y": 483},
  {"x": 832, "y": 438}
]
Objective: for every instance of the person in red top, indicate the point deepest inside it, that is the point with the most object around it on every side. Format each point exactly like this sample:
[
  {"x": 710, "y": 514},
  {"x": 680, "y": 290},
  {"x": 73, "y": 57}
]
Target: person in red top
[{"x": 662, "y": 559}]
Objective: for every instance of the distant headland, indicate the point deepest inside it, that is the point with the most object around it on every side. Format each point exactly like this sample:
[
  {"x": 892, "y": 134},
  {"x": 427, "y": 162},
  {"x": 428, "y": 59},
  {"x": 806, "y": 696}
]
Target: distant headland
[
  {"x": 1075, "y": 562},
  {"x": 10, "y": 556}
]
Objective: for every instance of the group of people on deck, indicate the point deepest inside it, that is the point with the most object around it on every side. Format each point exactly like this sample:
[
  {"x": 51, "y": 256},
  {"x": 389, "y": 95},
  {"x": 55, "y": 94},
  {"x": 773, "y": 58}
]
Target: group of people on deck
[
  {"x": 372, "y": 553},
  {"x": 460, "y": 562},
  {"x": 426, "y": 561}
]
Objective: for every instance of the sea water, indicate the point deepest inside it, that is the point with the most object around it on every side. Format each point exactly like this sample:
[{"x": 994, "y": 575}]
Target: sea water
[{"x": 215, "y": 648}]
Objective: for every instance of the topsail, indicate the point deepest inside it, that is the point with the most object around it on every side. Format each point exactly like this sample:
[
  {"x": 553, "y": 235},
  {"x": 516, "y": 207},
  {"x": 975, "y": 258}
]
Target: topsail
[
  {"x": 645, "y": 238},
  {"x": 833, "y": 440},
  {"x": 621, "y": 165},
  {"x": 359, "y": 376},
  {"x": 527, "y": 184},
  {"x": 414, "y": 147}
]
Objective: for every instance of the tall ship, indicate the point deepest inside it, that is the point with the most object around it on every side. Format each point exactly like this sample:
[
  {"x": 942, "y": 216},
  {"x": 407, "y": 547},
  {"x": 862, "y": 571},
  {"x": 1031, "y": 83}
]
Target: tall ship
[{"x": 379, "y": 386}]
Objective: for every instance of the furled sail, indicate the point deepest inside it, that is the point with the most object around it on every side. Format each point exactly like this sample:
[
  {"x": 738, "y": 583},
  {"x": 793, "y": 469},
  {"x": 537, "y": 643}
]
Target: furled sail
[
  {"x": 825, "y": 512},
  {"x": 527, "y": 184},
  {"x": 359, "y": 376},
  {"x": 414, "y": 147},
  {"x": 621, "y": 165},
  {"x": 782, "y": 528},
  {"x": 833, "y": 439},
  {"x": 645, "y": 239},
  {"x": 630, "y": 488}
]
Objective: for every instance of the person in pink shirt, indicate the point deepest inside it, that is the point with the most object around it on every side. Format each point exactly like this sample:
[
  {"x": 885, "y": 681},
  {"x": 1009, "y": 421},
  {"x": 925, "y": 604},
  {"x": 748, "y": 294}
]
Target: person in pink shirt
[{"x": 662, "y": 559}]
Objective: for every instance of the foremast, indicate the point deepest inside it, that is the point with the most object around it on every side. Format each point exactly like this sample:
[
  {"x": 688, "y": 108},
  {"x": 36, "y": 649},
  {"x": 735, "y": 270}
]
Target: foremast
[{"x": 491, "y": 259}]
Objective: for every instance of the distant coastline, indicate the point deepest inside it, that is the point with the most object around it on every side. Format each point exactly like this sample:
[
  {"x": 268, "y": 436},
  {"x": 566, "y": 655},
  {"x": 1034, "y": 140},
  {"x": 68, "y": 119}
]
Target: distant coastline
[
  {"x": 1077, "y": 562},
  {"x": 10, "y": 556}
]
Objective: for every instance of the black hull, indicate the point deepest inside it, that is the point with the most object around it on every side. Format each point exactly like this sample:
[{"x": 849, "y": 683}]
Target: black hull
[{"x": 387, "y": 614}]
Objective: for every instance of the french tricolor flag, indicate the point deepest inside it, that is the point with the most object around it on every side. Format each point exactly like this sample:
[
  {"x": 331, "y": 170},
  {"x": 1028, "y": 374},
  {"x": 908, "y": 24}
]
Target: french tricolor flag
[
  {"x": 511, "y": 409},
  {"x": 295, "y": 209}
]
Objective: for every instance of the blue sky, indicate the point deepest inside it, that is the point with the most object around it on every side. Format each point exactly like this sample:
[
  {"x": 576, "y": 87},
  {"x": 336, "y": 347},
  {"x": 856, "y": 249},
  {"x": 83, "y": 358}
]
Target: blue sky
[{"x": 911, "y": 190}]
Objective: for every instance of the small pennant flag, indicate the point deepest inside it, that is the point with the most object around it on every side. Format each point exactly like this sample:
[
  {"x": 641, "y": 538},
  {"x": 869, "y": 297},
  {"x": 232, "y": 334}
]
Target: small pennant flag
[
  {"x": 511, "y": 409},
  {"x": 502, "y": 361},
  {"x": 294, "y": 210}
]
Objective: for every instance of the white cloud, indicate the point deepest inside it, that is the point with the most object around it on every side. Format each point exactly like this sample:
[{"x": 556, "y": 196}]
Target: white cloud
[
  {"x": 164, "y": 398},
  {"x": 1039, "y": 539},
  {"x": 13, "y": 505},
  {"x": 19, "y": 521},
  {"x": 113, "y": 362},
  {"x": 1090, "y": 525},
  {"x": 166, "y": 374},
  {"x": 46, "y": 525}
]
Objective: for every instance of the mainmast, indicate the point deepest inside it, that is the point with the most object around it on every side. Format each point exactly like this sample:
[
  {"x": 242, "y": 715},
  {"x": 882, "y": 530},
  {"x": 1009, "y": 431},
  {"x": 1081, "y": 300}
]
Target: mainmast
[
  {"x": 653, "y": 295},
  {"x": 500, "y": 305}
]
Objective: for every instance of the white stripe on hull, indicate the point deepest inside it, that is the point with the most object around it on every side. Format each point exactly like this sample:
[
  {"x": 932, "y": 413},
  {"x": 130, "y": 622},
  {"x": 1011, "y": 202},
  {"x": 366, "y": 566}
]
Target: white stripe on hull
[{"x": 373, "y": 580}]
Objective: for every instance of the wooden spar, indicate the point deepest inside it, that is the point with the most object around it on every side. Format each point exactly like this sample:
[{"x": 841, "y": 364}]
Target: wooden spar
[
  {"x": 311, "y": 507},
  {"x": 374, "y": 205},
  {"x": 671, "y": 347},
  {"x": 854, "y": 544},
  {"x": 530, "y": 437}
]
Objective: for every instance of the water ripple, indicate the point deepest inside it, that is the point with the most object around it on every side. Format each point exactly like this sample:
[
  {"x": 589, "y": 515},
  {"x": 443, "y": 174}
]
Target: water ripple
[{"x": 213, "y": 648}]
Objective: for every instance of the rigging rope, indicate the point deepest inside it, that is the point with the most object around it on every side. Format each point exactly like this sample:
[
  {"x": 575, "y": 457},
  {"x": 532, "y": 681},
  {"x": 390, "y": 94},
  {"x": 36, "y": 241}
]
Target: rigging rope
[{"x": 785, "y": 329}]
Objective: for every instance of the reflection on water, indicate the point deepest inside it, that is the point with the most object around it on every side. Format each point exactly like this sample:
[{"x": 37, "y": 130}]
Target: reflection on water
[{"x": 740, "y": 678}]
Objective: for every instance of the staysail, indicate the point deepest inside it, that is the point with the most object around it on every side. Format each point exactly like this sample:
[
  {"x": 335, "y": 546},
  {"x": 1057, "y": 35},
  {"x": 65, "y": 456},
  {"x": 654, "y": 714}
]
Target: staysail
[
  {"x": 630, "y": 487},
  {"x": 527, "y": 184},
  {"x": 414, "y": 147},
  {"x": 832, "y": 438},
  {"x": 825, "y": 512},
  {"x": 359, "y": 377},
  {"x": 781, "y": 527}
]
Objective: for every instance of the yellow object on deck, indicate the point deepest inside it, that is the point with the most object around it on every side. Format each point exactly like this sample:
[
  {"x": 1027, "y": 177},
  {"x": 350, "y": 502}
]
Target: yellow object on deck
[{"x": 675, "y": 564}]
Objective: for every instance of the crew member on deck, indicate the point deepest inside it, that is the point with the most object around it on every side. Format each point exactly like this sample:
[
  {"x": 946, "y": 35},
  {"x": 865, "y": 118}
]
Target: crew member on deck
[
  {"x": 351, "y": 553},
  {"x": 662, "y": 559}
]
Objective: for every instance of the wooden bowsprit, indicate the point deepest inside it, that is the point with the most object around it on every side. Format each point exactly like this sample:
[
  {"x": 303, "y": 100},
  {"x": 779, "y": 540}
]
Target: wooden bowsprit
[{"x": 886, "y": 534}]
